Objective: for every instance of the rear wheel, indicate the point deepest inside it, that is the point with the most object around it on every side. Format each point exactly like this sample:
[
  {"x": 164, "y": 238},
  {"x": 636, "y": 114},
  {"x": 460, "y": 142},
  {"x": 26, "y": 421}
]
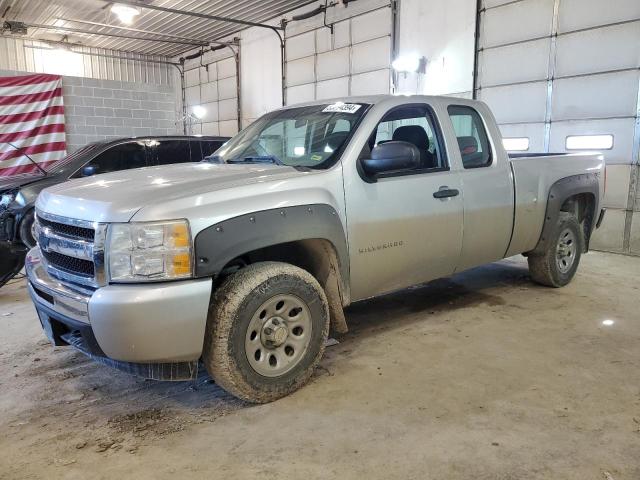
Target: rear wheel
[
  {"x": 266, "y": 331},
  {"x": 556, "y": 266}
]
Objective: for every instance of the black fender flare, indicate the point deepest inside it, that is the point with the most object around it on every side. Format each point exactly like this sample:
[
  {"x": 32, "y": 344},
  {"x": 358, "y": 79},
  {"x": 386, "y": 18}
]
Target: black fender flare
[
  {"x": 559, "y": 192},
  {"x": 217, "y": 245}
]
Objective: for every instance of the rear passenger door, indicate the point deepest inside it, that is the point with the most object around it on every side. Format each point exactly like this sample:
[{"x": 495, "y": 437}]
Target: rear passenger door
[
  {"x": 168, "y": 151},
  {"x": 487, "y": 187}
]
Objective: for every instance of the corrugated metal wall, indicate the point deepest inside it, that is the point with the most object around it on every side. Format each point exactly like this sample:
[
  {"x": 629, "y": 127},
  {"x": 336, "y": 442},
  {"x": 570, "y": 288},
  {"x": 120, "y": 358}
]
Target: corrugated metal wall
[{"x": 31, "y": 56}]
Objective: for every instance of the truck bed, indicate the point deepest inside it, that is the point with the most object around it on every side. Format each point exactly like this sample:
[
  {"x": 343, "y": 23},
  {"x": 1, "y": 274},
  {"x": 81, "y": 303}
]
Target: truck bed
[{"x": 532, "y": 182}]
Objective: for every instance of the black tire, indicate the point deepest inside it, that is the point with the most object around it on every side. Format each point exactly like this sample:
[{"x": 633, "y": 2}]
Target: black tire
[
  {"x": 550, "y": 268},
  {"x": 26, "y": 226},
  {"x": 233, "y": 310}
]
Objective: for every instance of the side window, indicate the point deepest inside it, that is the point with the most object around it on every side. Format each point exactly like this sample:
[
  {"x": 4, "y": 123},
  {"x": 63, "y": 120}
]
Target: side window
[
  {"x": 195, "y": 147},
  {"x": 209, "y": 147},
  {"x": 413, "y": 124},
  {"x": 472, "y": 136},
  {"x": 118, "y": 157},
  {"x": 164, "y": 152}
]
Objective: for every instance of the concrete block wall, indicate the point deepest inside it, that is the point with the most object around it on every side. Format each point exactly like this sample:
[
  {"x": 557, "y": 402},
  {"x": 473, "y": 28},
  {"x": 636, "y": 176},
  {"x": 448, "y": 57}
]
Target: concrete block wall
[{"x": 105, "y": 109}]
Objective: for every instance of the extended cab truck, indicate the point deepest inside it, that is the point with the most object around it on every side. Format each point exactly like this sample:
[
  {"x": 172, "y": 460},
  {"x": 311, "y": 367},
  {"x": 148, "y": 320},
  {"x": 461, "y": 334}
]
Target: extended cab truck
[{"x": 245, "y": 261}]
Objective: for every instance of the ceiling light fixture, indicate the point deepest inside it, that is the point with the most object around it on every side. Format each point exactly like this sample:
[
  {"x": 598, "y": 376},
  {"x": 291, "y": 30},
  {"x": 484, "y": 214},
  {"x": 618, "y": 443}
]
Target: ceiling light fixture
[
  {"x": 125, "y": 13},
  {"x": 409, "y": 64}
]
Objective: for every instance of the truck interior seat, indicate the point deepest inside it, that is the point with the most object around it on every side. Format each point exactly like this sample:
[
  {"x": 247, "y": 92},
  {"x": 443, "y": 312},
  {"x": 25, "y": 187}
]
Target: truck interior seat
[
  {"x": 418, "y": 136},
  {"x": 471, "y": 157}
]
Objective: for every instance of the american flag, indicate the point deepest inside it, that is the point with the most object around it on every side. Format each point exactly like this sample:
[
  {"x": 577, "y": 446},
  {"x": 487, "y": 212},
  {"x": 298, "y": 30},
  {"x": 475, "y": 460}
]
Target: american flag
[{"x": 31, "y": 123}]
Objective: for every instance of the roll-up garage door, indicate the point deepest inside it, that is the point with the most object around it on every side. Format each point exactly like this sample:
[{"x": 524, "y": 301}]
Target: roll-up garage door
[
  {"x": 353, "y": 60},
  {"x": 214, "y": 86},
  {"x": 564, "y": 75},
  {"x": 551, "y": 69}
]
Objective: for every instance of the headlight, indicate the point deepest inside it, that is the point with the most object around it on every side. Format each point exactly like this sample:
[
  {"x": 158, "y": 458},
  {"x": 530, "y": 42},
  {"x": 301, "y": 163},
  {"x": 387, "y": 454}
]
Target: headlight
[
  {"x": 6, "y": 199},
  {"x": 147, "y": 251}
]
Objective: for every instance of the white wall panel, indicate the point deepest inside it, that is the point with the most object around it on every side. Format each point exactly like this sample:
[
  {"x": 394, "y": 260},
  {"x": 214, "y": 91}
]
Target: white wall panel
[
  {"x": 228, "y": 128},
  {"x": 576, "y": 14},
  {"x": 620, "y": 128},
  {"x": 228, "y": 109},
  {"x": 590, "y": 51},
  {"x": 301, "y": 71},
  {"x": 506, "y": 24},
  {"x": 226, "y": 68},
  {"x": 227, "y": 88},
  {"x": 333, "y": 64},
  {"x": 371, "y": 83},
  {"x": 371, "y": 55},
  {"x": 301, "y": 94},
  {"x": 301, "y": 46},
  {"x": 517, "y": 103},
  {"x": 371, "y": 25},
  {"x": 191, "y": 77},
  {"x": 338, "y": 87},
  {"x": 604, "y": 95},
  {"x": 210, "y": 128},
  {"x": 209, "y": 92},
  {"x": 505, "y": 64},
  {"x": 325, "y": 65},
  {"x": 192, "y": 95},
  {"x": 211, "y": 112},
  {"x": 533, "y": 131}
]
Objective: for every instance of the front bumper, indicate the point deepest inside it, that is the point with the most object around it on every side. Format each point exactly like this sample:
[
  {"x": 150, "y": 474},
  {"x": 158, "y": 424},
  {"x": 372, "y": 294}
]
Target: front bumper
[{"x": 147, "y": 324}]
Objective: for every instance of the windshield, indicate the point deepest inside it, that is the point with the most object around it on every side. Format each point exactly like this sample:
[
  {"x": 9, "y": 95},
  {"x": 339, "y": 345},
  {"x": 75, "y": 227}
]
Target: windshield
[
  {"x": 67, "y": 163},
  {"x": 299, "y": 137}
]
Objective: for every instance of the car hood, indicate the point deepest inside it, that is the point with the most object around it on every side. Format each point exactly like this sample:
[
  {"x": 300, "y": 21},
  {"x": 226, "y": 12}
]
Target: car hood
[
  {"x": 116, "y": 197},
  {"x": 17, "y": 181}
]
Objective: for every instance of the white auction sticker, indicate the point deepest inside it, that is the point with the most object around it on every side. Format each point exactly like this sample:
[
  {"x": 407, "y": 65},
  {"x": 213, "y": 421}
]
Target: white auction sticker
[{"x": 342, "y": 108}]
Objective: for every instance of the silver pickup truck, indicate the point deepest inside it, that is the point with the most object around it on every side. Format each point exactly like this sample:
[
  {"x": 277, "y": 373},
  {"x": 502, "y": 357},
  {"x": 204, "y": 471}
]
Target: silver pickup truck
[{"x": 245, "y": 261}]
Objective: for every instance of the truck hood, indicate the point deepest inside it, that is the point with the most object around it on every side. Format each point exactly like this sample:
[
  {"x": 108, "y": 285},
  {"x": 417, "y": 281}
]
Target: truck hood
[{"x": 116, "y": 197}]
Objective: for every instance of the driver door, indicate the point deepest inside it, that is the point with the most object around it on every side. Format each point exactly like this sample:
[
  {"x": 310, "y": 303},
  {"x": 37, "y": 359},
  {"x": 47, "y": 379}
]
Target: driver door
[{"x": 399, "y": 233}]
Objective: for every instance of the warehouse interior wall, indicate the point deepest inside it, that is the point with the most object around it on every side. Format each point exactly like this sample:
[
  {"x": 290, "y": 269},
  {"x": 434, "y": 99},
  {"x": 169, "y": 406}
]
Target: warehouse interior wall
[
  {"x": 104, "y": 98},
  {"x": 442, "y": 31},
  {"x": 107, "y": 109}
]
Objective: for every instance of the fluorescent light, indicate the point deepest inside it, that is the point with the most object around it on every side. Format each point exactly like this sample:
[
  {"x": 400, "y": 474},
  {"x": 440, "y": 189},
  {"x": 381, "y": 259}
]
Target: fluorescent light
[
  {"x": 199, "y": 111},
  {"x": 125, "y": 13},
  {"x": 407, "y": 63},
  {"x": 589, "y": 142},
  {"x": 519, "y": 144},
  {"x": 608, "y": 323},
  {"x": 298, "y": 151}
]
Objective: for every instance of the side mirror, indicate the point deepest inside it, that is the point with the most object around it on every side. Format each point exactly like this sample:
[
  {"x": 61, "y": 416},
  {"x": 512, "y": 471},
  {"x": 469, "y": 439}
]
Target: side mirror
[
  {"x": 390, "y": 157},
  {"x": 88, "y": 171}
]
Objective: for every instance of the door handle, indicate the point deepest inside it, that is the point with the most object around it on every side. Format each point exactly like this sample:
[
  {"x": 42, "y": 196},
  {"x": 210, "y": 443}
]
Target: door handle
[{"x": 446, "y": 192}]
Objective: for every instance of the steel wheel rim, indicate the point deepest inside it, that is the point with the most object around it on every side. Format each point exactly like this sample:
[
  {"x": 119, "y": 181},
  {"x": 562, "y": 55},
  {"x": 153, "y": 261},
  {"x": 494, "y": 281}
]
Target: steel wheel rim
[
  {"x": 278, "y": 335},
  {"x": 566, "y": 250}
]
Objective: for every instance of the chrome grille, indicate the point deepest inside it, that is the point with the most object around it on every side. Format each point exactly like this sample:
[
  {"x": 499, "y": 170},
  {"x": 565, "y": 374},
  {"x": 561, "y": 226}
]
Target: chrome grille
[
  {"x": 73, "y": 250},
  {"x": 71, "y": 231}
]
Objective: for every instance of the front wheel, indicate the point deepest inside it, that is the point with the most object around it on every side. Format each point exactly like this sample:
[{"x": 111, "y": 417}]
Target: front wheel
[
  {"x": 266, "y": 331},
  {"x": 27, "y": 229},
  {"x": 557, "y": 264}
]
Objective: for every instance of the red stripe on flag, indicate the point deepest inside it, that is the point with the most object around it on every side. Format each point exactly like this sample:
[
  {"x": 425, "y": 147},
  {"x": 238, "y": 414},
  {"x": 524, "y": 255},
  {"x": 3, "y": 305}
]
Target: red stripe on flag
[
  {"x": 27, "y": 80},
  {"x": 30, "y": 97},
  {"x": 43, "y": 147},
  {"x": 29, "y": 168},
  {"x": 25, "y": 117},
  {"x": 41, "y": 130}
]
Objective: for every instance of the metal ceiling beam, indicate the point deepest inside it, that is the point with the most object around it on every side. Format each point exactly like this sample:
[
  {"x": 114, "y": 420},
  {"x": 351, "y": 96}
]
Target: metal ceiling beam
[
  {"x": 136, "y": 30},
  {"x": 118, "y": 35},
  {"x": 217, "y": 18}
]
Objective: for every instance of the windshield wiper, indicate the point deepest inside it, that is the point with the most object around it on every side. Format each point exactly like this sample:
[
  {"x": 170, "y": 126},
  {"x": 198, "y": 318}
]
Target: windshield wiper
[{"x": 257, "y": 159}]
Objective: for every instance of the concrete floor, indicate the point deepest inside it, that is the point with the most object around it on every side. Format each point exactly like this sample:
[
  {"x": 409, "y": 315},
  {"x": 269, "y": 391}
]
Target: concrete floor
[{"x": 481, "y": 376}]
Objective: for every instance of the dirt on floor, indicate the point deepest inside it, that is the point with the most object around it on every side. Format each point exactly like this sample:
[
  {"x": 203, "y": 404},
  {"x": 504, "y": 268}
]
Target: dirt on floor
[{"x": 481, "y": 376}]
